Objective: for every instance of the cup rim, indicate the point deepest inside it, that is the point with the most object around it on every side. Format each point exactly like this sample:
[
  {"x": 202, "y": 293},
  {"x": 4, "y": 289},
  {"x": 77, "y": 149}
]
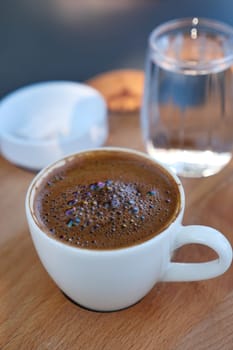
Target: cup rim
[
  {"x": 177, "y": 23},
  {"x": 43, "y": 172}
]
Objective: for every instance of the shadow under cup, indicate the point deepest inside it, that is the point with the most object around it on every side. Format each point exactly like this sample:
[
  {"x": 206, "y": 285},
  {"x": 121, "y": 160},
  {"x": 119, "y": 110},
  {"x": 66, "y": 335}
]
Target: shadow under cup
[{"x": 113, "y": 279}]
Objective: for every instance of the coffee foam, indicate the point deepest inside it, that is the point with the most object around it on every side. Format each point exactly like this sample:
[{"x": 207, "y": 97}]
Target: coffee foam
[{"x": 112, "y": 212}]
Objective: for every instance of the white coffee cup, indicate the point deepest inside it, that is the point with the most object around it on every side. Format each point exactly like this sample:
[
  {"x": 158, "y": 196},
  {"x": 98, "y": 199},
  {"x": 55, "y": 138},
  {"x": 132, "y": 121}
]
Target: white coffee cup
[{"x": 112, "y": 279}]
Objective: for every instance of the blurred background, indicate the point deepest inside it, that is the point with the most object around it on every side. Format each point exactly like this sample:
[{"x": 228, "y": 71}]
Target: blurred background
[{"x": 77, "y": 39}]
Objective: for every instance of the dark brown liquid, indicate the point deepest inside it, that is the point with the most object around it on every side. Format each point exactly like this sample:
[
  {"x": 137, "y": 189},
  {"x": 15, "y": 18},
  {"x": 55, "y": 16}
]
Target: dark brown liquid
[{"x": 106, "y": 200}]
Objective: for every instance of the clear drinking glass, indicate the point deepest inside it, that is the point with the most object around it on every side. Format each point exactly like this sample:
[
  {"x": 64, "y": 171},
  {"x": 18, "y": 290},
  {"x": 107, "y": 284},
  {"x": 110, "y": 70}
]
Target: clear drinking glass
[{"x": 187, "y": 112}]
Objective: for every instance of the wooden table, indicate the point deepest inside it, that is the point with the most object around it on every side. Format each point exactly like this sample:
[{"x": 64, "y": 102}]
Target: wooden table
[{"x": 34, "y": 314}]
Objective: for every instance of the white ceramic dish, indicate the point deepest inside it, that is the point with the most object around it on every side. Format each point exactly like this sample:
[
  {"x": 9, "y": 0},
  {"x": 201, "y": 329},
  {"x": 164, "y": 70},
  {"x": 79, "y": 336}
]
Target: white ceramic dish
[{"x": 44, "y": 122}]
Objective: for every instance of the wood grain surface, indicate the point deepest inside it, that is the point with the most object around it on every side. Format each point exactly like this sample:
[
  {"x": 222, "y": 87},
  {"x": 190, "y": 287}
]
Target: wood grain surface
[{"x": 35, "y": 315}]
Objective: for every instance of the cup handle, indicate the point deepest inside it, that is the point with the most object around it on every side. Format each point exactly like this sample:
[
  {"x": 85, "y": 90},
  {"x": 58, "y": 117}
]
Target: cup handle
[{"x": 200, "y": 271}]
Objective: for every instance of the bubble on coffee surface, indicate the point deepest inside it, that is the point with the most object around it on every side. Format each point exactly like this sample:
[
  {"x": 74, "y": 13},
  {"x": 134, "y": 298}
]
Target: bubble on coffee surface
[{"x": 105, "y": 214}]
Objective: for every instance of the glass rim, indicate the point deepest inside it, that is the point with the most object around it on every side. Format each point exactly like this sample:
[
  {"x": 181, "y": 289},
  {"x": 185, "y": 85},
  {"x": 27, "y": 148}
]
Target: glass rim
[{"x": 180, "y": 23}]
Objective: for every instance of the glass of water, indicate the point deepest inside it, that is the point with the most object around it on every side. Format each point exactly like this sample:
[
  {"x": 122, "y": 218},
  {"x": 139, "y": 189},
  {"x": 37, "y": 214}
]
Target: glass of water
[{"x": 187, "y": 112}]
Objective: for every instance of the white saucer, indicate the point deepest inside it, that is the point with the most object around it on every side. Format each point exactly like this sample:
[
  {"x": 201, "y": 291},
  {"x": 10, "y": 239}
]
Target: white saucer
[{"x": 44, "y": 122}]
